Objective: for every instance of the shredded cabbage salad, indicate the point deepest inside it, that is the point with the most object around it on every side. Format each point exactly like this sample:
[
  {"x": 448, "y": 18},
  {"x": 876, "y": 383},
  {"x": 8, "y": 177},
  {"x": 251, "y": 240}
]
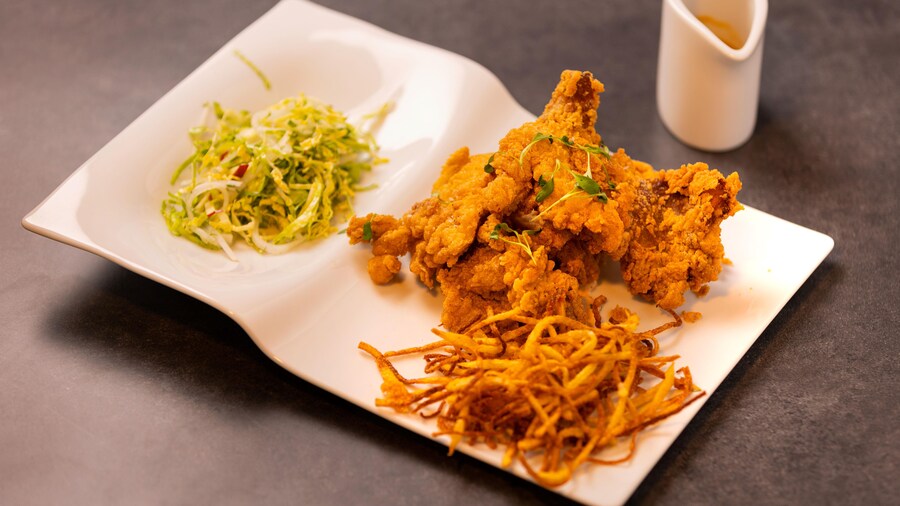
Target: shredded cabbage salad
[{"x": 275, "y": 178}]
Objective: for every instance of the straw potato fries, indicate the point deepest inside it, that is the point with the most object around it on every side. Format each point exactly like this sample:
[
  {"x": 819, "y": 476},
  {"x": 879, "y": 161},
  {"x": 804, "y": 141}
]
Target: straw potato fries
[{"x": 551, "y": 389}]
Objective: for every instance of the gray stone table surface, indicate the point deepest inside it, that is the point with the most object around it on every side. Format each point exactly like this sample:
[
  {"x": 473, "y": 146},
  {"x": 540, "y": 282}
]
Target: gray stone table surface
[{"x": 117, "y": 390}]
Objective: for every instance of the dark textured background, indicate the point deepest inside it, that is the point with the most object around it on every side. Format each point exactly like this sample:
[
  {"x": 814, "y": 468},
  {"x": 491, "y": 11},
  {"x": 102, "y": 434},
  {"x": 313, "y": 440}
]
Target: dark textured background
[{"x": 114, "y": 389}]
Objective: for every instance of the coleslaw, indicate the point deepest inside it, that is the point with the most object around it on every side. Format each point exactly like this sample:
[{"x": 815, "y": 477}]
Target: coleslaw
[{"x": 274, "y": 178}]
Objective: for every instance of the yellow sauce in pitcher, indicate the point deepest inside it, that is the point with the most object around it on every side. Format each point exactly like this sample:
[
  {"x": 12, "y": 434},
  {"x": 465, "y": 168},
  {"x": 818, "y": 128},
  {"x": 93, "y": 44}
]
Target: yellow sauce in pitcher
[{"x": 723, "y": 30}]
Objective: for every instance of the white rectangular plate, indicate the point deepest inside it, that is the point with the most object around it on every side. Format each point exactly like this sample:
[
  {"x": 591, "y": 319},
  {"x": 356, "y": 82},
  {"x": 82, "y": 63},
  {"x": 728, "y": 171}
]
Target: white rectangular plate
[{"x": 309, "y": 308}]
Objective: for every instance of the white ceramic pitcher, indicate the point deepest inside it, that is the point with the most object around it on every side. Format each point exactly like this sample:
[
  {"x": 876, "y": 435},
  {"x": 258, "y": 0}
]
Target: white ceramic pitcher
[{"x": 710, "y": 57}]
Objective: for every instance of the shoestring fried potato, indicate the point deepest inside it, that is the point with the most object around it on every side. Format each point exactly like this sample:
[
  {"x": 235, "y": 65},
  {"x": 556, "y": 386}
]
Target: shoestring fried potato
[{"x": 552, "y": 391}]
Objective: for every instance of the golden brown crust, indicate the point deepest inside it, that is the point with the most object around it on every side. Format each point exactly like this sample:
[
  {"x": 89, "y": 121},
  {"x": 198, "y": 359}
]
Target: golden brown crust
[
  {"x": 383, "y": 268},
  {"x": 676, "y": 242},
  {"x": 662, "y": 226}
]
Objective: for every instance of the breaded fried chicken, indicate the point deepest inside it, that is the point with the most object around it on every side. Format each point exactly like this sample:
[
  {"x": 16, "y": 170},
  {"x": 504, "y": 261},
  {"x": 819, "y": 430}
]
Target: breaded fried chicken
[{"x": 528, "y": 225}]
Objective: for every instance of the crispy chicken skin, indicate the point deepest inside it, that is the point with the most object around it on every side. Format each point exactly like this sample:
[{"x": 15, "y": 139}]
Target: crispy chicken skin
[{"x": 662, "y": 226}]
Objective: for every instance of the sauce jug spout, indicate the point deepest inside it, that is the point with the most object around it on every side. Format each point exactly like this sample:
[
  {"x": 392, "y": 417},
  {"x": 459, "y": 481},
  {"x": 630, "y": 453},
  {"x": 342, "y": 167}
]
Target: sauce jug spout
[{"x": 738, "y": 24}]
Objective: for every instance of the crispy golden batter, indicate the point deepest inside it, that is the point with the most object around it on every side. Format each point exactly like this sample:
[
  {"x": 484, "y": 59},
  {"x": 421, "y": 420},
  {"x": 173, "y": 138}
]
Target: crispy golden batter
[
  {"x": 675, "y": 244},
  {"x": 383, "y": 268},
  {"x": 470, "y": 236}
]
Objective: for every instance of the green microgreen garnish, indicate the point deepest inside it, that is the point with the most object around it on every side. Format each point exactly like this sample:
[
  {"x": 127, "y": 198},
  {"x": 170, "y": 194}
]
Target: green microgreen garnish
[
  {"x": 584, "y": 183},
  {"x": 538, "y": 137},
  {"x": 546, "y": 189},
  {"x": 546, "y": 185},
  {"x": 587, "y": 184},
  {"x": 495, "y": 234},
  {"x": 520, "y": 241},
  {"x": 367, "y": 231},
  {"x": 488, "y": 167},
  {"x": 254, "y": 68}
]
